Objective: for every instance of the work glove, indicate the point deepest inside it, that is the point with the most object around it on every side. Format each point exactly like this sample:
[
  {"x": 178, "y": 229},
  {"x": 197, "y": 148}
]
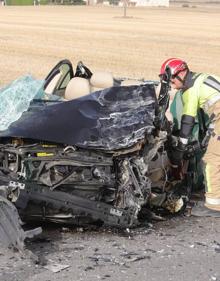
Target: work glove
[
  {"x": 176, "y": 154},
  {"x": 194, "y": 148}
]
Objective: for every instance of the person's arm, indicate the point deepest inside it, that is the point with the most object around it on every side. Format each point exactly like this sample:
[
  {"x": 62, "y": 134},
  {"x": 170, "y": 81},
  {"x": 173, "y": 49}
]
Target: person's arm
[{"x": 190, "y": 107}]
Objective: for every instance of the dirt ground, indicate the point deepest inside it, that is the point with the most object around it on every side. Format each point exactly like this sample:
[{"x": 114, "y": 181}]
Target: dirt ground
[{"x": 33, "y": 40}]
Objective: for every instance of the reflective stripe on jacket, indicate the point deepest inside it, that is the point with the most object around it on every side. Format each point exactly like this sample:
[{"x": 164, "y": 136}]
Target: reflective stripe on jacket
[{"x": 199, "y": 88}]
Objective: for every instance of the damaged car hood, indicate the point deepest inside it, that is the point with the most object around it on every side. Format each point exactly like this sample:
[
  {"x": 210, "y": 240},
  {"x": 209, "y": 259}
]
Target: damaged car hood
[{"x": 110, "y": 119}]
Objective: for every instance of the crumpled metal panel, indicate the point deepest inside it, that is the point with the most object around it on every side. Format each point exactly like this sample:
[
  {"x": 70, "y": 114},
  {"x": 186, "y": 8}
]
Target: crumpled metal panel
[{"x": 111, "y": 119}]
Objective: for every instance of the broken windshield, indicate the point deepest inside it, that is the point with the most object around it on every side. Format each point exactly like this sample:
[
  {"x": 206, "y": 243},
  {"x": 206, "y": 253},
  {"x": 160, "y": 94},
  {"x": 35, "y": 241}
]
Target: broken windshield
[{"x": 16, "y": 97}]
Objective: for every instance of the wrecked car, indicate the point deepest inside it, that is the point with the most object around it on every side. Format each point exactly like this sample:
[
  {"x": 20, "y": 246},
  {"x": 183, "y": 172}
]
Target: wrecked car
[{"x": 79, "y": 152}]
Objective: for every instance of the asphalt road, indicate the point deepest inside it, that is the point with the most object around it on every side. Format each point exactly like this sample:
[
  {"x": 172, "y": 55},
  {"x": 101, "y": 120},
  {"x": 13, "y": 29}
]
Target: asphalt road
[{"x": 180, "y": 248}]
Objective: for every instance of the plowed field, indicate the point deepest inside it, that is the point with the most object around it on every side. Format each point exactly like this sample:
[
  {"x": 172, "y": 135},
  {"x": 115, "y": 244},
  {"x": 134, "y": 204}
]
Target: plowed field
[{"x": 34, "y": 39}]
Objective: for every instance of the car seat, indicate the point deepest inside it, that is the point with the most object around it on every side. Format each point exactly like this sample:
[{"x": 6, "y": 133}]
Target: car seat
[
  {"x": 101, "y": 80},
  {"x": 76, "y": 88}
]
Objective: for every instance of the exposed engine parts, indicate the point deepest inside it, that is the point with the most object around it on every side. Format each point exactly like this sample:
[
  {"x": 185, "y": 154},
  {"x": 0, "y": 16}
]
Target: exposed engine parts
[{"x": 98, "y": 159}]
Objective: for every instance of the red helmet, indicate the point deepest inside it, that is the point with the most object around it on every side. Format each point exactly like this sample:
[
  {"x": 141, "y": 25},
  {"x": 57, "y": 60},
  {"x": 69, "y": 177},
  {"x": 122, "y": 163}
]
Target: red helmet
[{"x": 174, "y": 65}]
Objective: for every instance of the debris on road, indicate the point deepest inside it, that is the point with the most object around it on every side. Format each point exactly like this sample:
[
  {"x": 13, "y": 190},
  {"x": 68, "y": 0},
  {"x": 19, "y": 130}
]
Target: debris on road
[{"x": 56, "y": 267}]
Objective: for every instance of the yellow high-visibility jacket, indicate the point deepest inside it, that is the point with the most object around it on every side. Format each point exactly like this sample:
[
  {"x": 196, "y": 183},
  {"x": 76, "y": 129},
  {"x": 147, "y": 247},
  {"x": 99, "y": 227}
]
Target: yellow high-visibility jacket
[{"x": 200, "y": 91}]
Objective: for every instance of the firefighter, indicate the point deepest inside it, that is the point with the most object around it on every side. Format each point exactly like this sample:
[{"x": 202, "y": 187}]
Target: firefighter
[{"x": 199, "y": 90}]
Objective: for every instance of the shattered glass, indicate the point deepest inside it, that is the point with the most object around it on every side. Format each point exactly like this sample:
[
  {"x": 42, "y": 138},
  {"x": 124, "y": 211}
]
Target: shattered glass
[{"x": 16, "y": 97}]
